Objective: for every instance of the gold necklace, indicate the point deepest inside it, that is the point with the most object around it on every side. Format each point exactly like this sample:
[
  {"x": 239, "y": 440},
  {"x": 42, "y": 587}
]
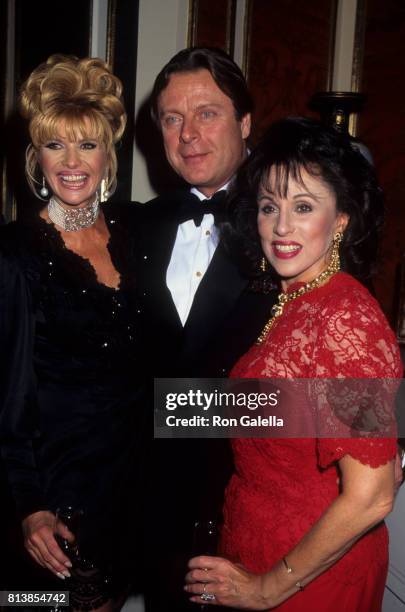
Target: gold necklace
[{"x": 284, "y": 298}]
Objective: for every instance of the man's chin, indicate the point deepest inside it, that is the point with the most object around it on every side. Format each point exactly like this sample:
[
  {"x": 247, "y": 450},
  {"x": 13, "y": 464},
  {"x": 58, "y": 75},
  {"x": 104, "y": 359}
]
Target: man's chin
[{"x": 196, "y": 179}]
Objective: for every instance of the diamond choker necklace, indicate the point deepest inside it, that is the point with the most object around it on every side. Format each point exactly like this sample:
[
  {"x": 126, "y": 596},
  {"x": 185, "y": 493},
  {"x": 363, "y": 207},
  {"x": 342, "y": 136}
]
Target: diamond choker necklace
[{"x": 74, "y": 219}]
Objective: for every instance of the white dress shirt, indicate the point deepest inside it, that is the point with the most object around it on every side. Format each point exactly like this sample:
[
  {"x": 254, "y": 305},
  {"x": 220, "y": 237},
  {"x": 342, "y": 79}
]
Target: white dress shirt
[{"x": 193, "y": 250}]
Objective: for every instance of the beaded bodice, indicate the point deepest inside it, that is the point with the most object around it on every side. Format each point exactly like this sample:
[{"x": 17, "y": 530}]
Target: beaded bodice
[{"x": 83, "y": 328}]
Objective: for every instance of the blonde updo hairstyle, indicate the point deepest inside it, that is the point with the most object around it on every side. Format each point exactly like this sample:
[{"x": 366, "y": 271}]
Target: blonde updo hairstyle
[{"x": 78, "y": 93}]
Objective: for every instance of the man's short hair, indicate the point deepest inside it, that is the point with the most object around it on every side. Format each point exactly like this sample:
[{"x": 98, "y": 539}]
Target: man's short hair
[{"x": 226, "y": 74}]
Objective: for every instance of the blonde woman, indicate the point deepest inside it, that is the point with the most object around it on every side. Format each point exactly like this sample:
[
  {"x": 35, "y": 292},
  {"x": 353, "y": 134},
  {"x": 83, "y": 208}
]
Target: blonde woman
[{"x": 70, "y": 436}]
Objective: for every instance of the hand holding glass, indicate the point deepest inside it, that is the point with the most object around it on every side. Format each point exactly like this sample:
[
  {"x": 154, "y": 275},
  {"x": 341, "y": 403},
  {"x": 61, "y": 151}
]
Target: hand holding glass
[
  {"x": 67, "y": 529},
  {"x": 205, "y": 541}
]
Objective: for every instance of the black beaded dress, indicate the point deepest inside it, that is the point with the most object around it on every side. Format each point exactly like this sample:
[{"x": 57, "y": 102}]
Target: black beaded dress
[{"x": 72, "y": 435}]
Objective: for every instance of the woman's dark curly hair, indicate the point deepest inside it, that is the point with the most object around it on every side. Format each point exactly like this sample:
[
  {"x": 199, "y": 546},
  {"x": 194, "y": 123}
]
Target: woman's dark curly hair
[{"x": 290, "y": 146}]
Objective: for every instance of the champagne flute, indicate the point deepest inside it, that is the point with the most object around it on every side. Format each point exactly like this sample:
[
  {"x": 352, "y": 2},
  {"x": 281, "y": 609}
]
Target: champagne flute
[
  {"x": 84, "y": 569},
  {"x": 70, "y": 517},
  {"x": 205, "y": 541}
]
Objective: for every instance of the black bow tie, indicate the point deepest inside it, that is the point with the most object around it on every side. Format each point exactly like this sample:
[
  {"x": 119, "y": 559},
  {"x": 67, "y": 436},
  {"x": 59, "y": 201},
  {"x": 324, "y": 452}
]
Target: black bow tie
[{"x": 194, "y": 208}]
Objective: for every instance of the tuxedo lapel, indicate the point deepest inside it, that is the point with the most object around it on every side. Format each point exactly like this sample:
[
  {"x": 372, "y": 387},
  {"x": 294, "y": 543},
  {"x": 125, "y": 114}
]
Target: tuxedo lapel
[
  {"x": 217, "y": 293},
  {"x": 217, "y": 304},
  {"x": 157, "y": 244}
]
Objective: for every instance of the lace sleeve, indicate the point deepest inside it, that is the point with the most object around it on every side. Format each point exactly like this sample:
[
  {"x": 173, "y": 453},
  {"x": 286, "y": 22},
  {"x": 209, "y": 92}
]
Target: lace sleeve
[
  {"x": 369, "y": 452},
  {"x": 355, "y": 342}
]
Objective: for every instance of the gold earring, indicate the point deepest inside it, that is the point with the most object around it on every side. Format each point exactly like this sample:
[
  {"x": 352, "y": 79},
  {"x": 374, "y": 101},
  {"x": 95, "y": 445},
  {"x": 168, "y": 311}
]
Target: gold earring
[
  {"x": 334, "y": 263},
  {"x": 263, "y": 265}
]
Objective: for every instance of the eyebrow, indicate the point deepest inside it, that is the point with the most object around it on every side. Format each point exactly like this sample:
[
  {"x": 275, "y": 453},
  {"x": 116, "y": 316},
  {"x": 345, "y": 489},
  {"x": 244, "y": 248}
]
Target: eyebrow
[
  {"x": 269, "y": 192},
  {"x": 167, "y": 110},
  {"x": 306, "y": 194},
  {"x": 217, "y": 104},
  {"x": 64, "y": 139},
  {"x": 197, "y": 108}
]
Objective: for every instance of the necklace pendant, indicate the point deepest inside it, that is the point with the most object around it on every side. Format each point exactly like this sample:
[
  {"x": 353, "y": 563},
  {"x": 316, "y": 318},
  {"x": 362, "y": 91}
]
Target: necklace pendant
[{"x": 276, "y": 310}]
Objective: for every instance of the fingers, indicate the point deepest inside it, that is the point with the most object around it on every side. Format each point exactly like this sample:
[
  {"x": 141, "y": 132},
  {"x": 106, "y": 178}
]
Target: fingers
[
  {"x": 205, "y": 562},
  {"x": 41, "y": 544},
  {"x": 34, "y": 555},
  {"x": 205, "y": 602},
  {"x": 208, "y": 570},
  {"x": 198, "y": 575},
  {"x": 203, "y": 592},
  {"x": 64, "y": 532},
  {"x": 218, "y": 581},
  {"x": 203, "y": 582},
  {"x": 45, "y": 550}
]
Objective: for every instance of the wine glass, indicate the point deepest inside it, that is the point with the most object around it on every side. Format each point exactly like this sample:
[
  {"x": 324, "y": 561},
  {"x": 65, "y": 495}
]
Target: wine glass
[
  {"x": 205, "y": 537},
  {"x": 205, "y": 541},
  {"x": 70, "y": 517}
]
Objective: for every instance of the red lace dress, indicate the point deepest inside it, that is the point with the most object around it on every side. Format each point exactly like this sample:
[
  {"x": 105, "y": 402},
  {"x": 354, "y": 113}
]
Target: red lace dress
[{"x": 281, "y": 487}]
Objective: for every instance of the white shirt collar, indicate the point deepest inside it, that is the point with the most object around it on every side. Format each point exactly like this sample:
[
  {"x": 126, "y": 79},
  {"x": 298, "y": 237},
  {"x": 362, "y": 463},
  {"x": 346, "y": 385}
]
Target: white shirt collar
[{"x": 201, "y": 196}]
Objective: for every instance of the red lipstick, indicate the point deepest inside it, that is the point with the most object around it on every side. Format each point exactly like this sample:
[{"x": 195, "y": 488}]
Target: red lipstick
[{"x": 285, "y": 250}]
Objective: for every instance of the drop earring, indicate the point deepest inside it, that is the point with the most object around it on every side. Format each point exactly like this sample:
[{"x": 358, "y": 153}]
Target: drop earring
[
  {"x": 335, "y": 256},
  {"x": 44, "y": 190},
  {"x": 263, "y": 265},
  {"x": 105, "y": 194}
]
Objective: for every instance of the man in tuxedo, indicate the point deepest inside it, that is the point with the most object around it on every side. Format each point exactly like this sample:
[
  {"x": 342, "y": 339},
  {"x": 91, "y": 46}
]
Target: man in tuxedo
[
  {"x": 200, "y": 315},
  {"x": 191, "y": 288}
]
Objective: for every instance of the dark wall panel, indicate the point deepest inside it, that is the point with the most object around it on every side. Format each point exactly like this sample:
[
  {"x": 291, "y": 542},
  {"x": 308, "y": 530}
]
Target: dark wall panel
[
  {"x": 41, "y": 29},
  {"x": 213, "y": 24},
  {"x": 382, "y": 128},
  {"x": 123, "y": 28},
  {"x": 3, "y": 85},
  {"x": 47, "y": 27}
]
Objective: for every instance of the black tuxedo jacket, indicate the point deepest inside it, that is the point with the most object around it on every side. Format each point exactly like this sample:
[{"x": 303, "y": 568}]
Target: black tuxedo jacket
[
  {"x": 225, "y": 317},
  {"x": 186, "y": 478}
]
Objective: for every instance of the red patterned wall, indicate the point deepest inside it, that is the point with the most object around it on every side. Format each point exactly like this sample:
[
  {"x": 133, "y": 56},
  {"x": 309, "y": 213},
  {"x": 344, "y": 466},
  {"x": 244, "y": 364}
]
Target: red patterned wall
[
  {"x": 288, "y": 57},
  {"x": 288, "y": 60},
  {"x": 382, "y": 127}
]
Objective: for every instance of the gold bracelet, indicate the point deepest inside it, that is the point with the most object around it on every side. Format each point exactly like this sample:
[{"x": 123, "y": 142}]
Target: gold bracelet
[{"x": 290, "y": 571}]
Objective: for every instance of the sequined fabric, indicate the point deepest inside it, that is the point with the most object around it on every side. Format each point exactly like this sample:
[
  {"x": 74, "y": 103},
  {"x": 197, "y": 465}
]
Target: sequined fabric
[{"x": 82, "y": 444}]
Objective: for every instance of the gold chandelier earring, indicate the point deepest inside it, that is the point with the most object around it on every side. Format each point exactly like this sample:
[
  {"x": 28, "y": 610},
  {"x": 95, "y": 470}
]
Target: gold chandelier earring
[
  {"x": 264, "y": 265},
  {"x": 334, "y": 263}
]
